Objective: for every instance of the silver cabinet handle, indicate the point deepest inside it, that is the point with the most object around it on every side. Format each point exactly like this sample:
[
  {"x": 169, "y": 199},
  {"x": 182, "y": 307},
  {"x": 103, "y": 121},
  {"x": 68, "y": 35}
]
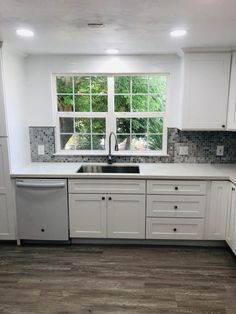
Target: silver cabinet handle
[{"x": 40, "y": 185}]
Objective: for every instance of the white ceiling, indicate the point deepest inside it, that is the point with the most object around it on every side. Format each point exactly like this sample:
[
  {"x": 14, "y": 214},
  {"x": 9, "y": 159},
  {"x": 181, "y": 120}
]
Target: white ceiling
[{"x": 133, "y": 26}]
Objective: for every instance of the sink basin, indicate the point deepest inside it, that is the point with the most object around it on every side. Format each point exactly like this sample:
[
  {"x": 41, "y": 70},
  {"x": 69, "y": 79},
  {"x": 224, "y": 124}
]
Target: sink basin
[{"x": 108, "y": 169}]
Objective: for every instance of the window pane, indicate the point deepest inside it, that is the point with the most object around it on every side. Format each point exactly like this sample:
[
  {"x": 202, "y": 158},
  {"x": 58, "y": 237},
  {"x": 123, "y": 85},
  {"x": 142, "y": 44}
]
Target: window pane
[
  {"x": 99, "y": 84},
  {"x": 140, "y": 103},
  {"x": 123, "y": 125},
  {"x": 82, "y": 141},
  {"x": 155, "y": 141},
  {"x": 122, "y": 103},
  {"x": 122, "y": 84},
  {"x": 157, "y": 103},
  {"x": 64, "y": 84},
  {"x": 82, "y": 125},
  {"x": 139, "y": 142},
  {"x": 139, "y": 125},
  {"x": 140, "y": 84},
  {"x": 99, "y": 103},
  {"x": 82, "y": 84},
  {"x": 158, "y": 84},
  {"x": 123, "y": 142},
  {"x": 66, "y": 141},
  {"x": 98, "y": 142},
  {"x": 99, "y": 125},
  {"x": 155, "y": 125},
  {"x": 65, "y": 103},
  {"x": 67, "y": 125},
  {"x": 82, "y": 103}
]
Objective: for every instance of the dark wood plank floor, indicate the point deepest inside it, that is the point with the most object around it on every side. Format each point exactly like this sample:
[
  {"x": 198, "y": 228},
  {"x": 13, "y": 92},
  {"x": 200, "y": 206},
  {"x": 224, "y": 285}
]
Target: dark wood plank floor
[{"x": 101, "y": 280}]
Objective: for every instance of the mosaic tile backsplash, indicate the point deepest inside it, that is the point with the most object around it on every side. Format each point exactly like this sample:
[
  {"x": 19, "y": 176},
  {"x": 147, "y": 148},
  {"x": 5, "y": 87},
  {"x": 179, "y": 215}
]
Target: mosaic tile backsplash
[{"x": 201, "y": 148}]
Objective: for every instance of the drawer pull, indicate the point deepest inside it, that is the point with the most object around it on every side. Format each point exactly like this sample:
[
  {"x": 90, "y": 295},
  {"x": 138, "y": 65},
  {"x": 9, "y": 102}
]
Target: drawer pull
[
  {"x": 175, "y": 207},
  {"x": 174, "y": 229},
  {"x": 176, "y": 188},
  {"x": 109, "y": 198},
  {"x": 103, "y": 198},
  {"x": 42, "y": 230}
]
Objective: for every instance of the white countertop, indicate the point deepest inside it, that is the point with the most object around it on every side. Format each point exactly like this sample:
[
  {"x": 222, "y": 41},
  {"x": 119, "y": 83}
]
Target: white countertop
[{"x": 147, "y": 171}]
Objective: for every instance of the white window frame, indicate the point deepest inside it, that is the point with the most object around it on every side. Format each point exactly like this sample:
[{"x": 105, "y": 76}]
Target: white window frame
[{"x": 110, "y": 117}]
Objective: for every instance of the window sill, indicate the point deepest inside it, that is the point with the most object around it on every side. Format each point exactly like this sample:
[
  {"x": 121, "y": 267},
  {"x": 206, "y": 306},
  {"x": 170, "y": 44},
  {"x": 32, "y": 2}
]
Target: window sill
[{"x": 125, "y": 154}]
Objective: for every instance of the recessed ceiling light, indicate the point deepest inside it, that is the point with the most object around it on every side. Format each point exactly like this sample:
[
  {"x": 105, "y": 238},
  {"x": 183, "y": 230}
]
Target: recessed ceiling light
[
  {"x": 24, "y": 32},
  {"x": 112, "y": 51},
  {"x": 178, "y": 33}
]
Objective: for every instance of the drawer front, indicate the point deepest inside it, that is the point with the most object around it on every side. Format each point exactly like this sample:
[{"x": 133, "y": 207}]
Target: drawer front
[
  {"x": 176, "y": 206},
  {"x": 176, "y": 187},
  {"x": 107, "y": 186},
  {"x": 175, "y": 228}
]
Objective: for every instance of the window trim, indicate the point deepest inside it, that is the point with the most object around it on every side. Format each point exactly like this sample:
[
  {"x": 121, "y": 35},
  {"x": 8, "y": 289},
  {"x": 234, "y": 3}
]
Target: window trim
[{"x": 110, "y": 116}]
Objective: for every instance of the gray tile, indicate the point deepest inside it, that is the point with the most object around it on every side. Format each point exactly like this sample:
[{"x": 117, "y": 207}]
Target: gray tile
[{"x": 201, "y": 144}]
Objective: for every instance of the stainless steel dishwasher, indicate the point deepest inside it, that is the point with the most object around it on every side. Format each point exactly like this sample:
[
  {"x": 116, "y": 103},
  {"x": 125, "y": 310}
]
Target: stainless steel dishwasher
[{"x": 42, "y": 209}]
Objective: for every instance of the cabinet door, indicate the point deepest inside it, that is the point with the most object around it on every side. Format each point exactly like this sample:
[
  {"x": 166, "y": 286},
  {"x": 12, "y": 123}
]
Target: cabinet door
[
  {"x": 126, "y": 216},
  {"x": 231, "y": 220},
  {"x": 206, "y": 83},
  {"x": 87, "y": 215},
  {"x": 7, "y": 204},
  {"x": 2, "y": 111},
  {"x": 217, "y": 211},
  {"x": 231, "y": 122}
]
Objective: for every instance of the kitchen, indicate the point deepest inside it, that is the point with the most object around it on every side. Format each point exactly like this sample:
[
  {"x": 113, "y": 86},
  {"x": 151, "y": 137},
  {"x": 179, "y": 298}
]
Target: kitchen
[{"x": 117, "y": 157}]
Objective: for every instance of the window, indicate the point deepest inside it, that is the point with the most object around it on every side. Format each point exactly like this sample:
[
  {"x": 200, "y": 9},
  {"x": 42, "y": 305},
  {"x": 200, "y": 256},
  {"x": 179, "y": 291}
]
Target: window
[{"x": 132, "y": 106}]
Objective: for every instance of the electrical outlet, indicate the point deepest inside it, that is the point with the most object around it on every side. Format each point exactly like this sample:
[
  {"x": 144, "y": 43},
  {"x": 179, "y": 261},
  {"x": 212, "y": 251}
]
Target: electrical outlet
[
  {"x": 41, "y": 150},
  {"x": 183, "y": 150},
  {"x": 220, "y": 150}
]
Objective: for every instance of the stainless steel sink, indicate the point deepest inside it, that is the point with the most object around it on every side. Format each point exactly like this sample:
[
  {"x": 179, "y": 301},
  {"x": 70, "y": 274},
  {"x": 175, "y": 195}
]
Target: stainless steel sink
[{"x": 108, "y": 169}]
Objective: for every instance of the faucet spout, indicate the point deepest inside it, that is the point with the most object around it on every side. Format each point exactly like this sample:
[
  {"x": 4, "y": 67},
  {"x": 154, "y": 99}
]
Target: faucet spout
[{"x": 110, "y": 158}]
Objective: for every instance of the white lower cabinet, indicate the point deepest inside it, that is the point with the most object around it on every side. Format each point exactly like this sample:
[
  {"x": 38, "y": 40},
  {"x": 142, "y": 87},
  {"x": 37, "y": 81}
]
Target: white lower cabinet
[
  {"x": 7, "y": 203},
  {"x": 126, "y": 216},
  {"x": 176, "y": 206},
  {"x": 107, "y": 215},
  {"x": 231, "y": 219},
  {"x": 217, "y": 210},
  {"x": 87, "y": 214},
  {"x": 175, "y": 209},
  {"x": 175, "y": 228}
]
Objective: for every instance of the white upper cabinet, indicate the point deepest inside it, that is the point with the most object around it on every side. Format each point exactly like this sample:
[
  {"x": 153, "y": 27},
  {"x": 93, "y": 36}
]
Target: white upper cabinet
[
  {"x": 205, "y": 91},
  {"x": 231, "y": 122},
  {"x": 2, "y": 112}
]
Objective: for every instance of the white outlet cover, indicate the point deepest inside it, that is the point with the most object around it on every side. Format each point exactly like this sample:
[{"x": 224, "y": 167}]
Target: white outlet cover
[
  {"x": 41, "y": 150},
  {"x": 220, "y": 150},
  {"x": 183, "y": 150}
]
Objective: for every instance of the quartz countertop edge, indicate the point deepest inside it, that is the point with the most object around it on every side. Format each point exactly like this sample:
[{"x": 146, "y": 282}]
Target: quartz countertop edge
[{"x": 147, "y": 171}]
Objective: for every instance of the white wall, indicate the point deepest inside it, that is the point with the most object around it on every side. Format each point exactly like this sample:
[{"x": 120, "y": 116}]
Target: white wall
[
  {"x": 28, "y": 88},
  {"x": 14, "y": 82},
  {"x": 40, "y": 68}
]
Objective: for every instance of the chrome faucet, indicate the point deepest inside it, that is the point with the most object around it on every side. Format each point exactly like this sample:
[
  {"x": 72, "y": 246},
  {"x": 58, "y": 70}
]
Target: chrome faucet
[{"x": 110, "y": 158}]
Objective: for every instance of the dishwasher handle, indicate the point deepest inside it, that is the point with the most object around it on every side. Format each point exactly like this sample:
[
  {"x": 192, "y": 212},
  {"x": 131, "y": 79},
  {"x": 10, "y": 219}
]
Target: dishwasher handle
[{"x": 40, "y": 185}]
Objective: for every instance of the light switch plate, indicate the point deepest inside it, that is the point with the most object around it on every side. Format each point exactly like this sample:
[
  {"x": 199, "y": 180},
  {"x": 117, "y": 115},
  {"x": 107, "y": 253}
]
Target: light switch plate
[
  {"x": 183, "y": 150},
  {"x": 41, "y": 150},
  {"x": 220, "y": 150}
]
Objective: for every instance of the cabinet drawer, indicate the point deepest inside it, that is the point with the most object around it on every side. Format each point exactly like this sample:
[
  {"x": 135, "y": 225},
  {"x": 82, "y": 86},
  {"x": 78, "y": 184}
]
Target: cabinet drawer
[
  {"x": 174, "y": 228},
  {"x": 176, "y": 187},
  {"x": 176, "y": 206},
  {"x": 107, "y": 186}
]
